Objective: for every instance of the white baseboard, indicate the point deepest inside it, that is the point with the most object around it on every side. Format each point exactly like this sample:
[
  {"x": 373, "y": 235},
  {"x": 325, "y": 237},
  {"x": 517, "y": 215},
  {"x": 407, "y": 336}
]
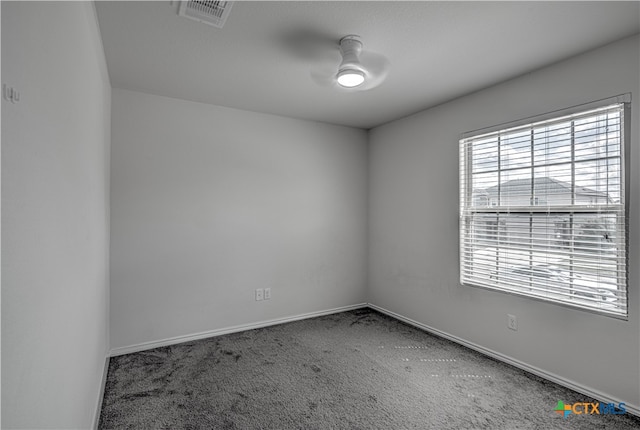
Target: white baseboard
[
  {"x": 227, "y": 330},
  {"x": 601, "y": 397},
  {"x": 96, "y": 416}
]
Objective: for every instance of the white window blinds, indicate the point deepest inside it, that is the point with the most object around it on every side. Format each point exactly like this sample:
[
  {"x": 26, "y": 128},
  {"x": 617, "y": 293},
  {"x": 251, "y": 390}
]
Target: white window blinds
[{"x": 542, "y": 210}]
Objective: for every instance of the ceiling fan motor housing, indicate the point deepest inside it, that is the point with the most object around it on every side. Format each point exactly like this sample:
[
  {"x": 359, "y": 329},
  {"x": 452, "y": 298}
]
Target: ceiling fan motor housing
[{"x": 350, "y": 48}]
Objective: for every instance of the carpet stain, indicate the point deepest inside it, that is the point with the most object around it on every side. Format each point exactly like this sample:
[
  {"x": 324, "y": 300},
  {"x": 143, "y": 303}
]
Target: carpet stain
[
  {"x": 236, "y": 407},
  {"x": 142, "y": 394},
  {"x": 228, "y": 425}
]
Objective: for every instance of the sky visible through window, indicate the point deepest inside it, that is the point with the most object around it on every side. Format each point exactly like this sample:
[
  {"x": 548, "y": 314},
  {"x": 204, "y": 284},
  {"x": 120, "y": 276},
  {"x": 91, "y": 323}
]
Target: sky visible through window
[{"x": 522, "y": 159}]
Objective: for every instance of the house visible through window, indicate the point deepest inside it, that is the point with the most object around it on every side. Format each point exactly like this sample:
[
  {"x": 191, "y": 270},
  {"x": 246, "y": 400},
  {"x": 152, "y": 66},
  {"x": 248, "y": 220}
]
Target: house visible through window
[{"x": 542, "y": 209}]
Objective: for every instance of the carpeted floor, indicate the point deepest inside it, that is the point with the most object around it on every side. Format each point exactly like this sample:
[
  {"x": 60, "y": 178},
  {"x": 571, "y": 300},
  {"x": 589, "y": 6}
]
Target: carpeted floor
[{"x": 353, "y": 370}]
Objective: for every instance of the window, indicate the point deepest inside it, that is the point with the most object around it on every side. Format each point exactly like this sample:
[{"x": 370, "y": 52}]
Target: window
[{"x": 542, "y": 208}]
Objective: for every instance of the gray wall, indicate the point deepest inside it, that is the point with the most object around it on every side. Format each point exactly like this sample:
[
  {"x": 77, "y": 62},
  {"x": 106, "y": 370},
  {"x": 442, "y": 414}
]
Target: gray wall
[
  {"x": 209, "y": 203},
  {"x": 414, "y": 228},
  {"x": 55, "y": 215}
]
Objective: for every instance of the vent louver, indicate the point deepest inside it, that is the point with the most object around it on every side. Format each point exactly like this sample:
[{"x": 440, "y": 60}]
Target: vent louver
[{"x": 209, "y": 12}]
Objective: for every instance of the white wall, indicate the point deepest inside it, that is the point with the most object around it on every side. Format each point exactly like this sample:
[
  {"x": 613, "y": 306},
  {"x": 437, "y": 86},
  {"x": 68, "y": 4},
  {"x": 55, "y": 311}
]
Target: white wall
[
  {"x": 55, "y": 215},
  {"x": 209, "y": 203},
  {"x": 414, "y": 228}
]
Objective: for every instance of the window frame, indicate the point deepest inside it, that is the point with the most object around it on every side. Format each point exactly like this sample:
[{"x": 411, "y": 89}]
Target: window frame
[{"x": 466, "y": 201}]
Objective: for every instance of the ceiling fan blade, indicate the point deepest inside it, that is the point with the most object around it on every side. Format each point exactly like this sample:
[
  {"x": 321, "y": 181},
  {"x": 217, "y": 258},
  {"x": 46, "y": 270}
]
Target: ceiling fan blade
[
  {"x": 373, "y": 81},
  {"x": 323, "y": 72},
  {"x": 324, "y": 78},
  {"x": 376, "y": 68},
  {"x": 374, "y": 63}
]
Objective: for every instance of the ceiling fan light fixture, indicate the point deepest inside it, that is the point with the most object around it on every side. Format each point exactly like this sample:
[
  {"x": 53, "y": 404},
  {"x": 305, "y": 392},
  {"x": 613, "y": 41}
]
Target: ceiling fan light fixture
[
  {"x": 350, "y": 78},
  {"x": 353, "y": 73}
]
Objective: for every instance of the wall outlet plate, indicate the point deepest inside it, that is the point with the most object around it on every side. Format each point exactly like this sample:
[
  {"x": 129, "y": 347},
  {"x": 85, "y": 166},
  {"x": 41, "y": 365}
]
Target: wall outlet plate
[
  {"x": 512, "y": 322},
  {"x": 259, "y": 294}
]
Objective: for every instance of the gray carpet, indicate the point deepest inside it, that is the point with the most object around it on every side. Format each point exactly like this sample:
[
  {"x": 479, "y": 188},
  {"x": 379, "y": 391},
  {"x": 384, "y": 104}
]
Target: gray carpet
[{"x": 353, "y": 370}]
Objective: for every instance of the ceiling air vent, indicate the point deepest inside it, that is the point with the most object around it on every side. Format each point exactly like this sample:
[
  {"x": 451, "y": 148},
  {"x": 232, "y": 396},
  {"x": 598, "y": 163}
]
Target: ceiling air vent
[{"x": 209, "y": 12}]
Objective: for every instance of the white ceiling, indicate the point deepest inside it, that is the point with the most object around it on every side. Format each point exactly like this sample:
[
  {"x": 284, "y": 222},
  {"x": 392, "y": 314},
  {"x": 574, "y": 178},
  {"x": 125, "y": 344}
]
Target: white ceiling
[{"x": 263, "y": 57}]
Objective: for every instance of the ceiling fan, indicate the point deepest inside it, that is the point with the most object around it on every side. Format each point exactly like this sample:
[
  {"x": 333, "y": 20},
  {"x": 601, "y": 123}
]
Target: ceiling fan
[{"x": 359, "y": 70}]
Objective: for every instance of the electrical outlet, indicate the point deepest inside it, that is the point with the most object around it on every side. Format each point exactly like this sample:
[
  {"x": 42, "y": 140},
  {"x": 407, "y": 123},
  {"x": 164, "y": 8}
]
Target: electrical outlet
[
  {"x": 267, "y": 293},
  {"x": 259, "y": 294},
  {"x": 512, "y": 322}
]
